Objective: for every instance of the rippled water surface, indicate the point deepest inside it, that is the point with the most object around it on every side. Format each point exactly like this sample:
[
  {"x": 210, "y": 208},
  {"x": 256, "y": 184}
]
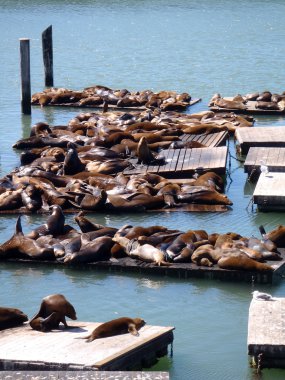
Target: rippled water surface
[{"x": 201, "y": 47}]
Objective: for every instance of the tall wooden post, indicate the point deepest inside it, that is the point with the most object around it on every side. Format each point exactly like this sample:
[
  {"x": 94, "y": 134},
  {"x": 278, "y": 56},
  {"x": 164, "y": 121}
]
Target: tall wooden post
[
  {"x": 48, "y": 55},
  {"x": 25, "y": 75}
]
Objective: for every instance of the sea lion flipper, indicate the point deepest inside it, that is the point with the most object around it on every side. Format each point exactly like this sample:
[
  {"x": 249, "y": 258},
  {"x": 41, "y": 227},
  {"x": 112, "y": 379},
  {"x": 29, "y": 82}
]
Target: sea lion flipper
[
  {"x": 132, "y": 329},
  {"x": 18, "y": 227}
]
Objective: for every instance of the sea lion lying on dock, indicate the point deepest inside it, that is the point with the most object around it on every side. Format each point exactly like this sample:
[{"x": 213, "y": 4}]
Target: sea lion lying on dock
[
  {"x": 11, "y": 317},
  {"x": 117, "y": 326}
]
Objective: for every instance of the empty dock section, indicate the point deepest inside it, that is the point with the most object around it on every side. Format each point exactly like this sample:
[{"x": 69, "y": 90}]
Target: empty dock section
[
  {"x": 25, "y": 349},
  {"x": 266, "y": 332},
  {"x": 269, "y": 193},
  {"x": 260, "y": 137},
  {"x": 273, "y": 158},
  {"x": 181, "y": 163}
]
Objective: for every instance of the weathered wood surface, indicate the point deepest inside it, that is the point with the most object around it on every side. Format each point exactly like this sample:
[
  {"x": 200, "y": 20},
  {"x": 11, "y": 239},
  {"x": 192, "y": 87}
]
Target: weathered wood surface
[
  {"x": 250, "y": 109},
  {"x": 59, "y": 350},
  {"x": 181, "y": 162},
  {"x": 210, "y": 139},
  {"x": 84, "y": 375},
  {"x": 269, "y": 193},
  {"x": 260, "y": 137},
  {"x": 177, "y": 270},
  {"x": 273, "y": 158},
  {"x": 25, "y": 76},
  {"x": 266, "y": 332},
  {"x": 48, "y": 55}
]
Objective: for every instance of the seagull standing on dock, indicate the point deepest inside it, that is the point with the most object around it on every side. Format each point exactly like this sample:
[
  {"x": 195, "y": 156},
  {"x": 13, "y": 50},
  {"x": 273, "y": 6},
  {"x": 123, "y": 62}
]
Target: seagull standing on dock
[
  {"x": 263, "y": 167},
  {"x": 256, "y": 295}
]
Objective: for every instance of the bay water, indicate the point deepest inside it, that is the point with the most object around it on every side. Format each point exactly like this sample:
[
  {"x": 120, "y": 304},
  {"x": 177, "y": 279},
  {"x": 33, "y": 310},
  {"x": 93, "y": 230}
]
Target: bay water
[{"x": 201, "y": 47}]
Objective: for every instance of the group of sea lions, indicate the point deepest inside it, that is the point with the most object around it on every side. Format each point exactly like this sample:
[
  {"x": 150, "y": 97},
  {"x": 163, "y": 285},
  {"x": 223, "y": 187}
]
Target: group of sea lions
[
  {"x": 30, "y": 189},
  {"x": 98, "y": 95},
  {"x": 55, "y": 308},
  {"x": 80, "y": 165},
  {"x": 157, "y": 245},
  {"x": 262, "y": 100}
]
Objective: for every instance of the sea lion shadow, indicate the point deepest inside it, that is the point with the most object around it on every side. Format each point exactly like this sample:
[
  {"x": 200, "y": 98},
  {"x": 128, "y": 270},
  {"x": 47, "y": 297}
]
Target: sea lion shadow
[{"x": 72, "y": 329}]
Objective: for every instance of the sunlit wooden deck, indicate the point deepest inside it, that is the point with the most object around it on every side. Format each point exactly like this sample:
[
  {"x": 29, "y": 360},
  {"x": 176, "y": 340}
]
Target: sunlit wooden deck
[
  {"x": 273, "y": 158},
  {"x": 266, "y": 332},
  {"x": 26, "y": 349},
  {"x": 260, "y": 137},
  {"x": 269, "y": 193}
]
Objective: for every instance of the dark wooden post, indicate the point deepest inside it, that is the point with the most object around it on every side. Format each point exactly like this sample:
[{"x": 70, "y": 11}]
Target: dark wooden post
[
  {"x": 25, "y": 75},
  {"x": 48, "y": 55}
]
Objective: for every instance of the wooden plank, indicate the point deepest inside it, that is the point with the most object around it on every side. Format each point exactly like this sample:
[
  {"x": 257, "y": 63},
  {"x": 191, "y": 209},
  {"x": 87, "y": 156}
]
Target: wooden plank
[
  {"x": 62, "y": 348},
  {"x": 169, "y": 159},
  {"x": 272, "y": 157},
  {"x": 266, "y": 333},
  {"x": 184, "y": 153},
  {"x": 260, "y": 137}
]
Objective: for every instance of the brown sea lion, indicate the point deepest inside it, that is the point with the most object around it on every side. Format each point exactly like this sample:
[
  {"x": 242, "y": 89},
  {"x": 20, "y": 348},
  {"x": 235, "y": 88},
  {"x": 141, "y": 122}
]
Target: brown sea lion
[
  {"x": 20, "y": 246},
  {"x": 210, "y": 179},
  {"x": 277, "y": 236},
  {"x": 98, "y": 249},
  {"x": 239, "y": 261},
  {"x": 32, "y": 197},
  {"x": 117, "y": 326},
  {"x": 53, "y": 226},
  {"x": 56, "y": 303},
  {"x": 203, "y": 195},
  {"x": 47, "y": 324},
  {"x": 85, "y": 224},
  {"x": 11, "y": 199},
  {"x": 144, "y": 154},
  {"x": 10, "y": 317}
]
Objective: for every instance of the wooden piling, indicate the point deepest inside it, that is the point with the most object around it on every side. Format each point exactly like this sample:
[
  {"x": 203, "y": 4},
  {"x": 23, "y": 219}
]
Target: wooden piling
[
  {"x": 48, "y": 56},
  {"x": 25, "y": 75}
]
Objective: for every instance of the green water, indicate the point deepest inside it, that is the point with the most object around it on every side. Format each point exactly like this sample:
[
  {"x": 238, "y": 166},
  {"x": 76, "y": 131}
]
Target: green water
[{"x": 201, "y": 47}]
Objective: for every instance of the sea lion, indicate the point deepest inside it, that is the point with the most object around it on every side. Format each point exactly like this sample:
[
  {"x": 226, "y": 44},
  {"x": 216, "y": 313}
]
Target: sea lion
[
  {"x": 85, "y": 224},
  {"x": 53, "y": 226},
  {"x": 145, "y": 252},
  {"x": 239, "y": 261},
  {"x": 11, "y": 317},
  {"x": 19, "y": 246},
  {"x": 277, "y": 236},
  {"x": 47, "y": 324},
  {"x": 32, "y": 197},
  {"x": 98, "y": 249},
  {"x": 117, "y": 326},
  {"x": 144, "y": 154},
  {"x": 56, "y": 303}
]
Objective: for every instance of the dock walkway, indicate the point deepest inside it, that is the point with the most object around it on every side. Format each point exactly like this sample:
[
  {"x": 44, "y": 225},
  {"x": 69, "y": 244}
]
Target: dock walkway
[
  {"x": 23, "y": 348},
  {"x": 273, "y": 158},
  {"x": 260, "y": 137},
  {"x": 181, "y": 163},
  {"x": 269, "y": 193},
  {"x": 266, "y": 332}
]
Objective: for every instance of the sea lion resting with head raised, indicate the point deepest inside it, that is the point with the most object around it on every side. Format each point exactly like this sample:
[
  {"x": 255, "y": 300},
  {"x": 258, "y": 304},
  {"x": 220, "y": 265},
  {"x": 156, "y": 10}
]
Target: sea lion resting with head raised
[{"x": 117, "y": 326}]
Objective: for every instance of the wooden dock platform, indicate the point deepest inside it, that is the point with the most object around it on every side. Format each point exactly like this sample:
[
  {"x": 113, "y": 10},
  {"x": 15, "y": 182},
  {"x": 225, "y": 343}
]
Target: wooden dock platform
[
  {"x": 110, "y": 106},
  {"x": 266, "y": 333},
  {"x": 269, "y": 193},
  {"x": 23, "y": 348},
  {"x": 183, "y": 162},
  {"x": 250, "y": 109},
  {"x": 83, "y": 375},
  {"x": 273, "y": 158},
  {"x": 175, "y": 270},
  {"x": 260, "y": 137}
]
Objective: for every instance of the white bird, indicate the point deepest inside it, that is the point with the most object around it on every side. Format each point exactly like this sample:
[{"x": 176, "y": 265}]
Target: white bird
[
  {"x": 263, "y": 167},
  {"x": 256, "y": 295}
]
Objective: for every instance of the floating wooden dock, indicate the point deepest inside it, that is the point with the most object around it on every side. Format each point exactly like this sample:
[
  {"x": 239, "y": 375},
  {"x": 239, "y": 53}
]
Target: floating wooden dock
[
  {"x": 250, "y": 109},
  {"x": 266, "y": 333},
  {"x": 260, "y": 137},
  {"x": 23, "y": 348},
  {"x": 269, "y": 193},
  {"x": 83, "y": 375},
  {"x": 110, "y": 106},
  {"x": 184, "y": 162},
  {"x": 177, "y": 270},
  {"x": 273, "y": 158}
]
